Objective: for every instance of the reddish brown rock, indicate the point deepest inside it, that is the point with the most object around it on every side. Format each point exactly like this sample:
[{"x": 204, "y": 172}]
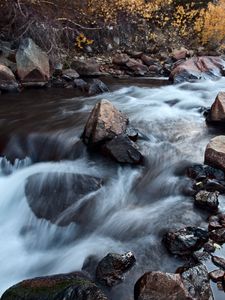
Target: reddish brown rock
[
  {"x": 136, "y": 67},
  {"x": 218, "y": 235},
  {"x": 120, "y": 59},
  {"x": 215, "y": 152},
  {"x": 104, "y": 123},
  {"x": 216, "y": 275},
  {"x": 160, "y": 286},
  {"x": 217, "y": 111},
  {"x": 32, "y": 64},
  {"x": 7, "y": 79},
  {"x": 87, "y": 67},
  {"x": 219, "y": 262},
  {"x": 205, "y": 67},
  {"x": 178, "y": 54}
]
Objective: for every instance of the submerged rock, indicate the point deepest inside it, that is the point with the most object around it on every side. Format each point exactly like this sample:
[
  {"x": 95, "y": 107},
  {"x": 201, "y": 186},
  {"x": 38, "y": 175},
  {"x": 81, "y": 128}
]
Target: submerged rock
[
  {"x": 104, "y": 123},
  {"x": 8, "y": 81},
  {"x": 160, "y": 286},
  {"x": 110, "y": 270},
  {"x": 64, "y": 286},
  {"x": 186, "y": 240},
  {"x": 32, "y": 64},
  {"x": 53, "y": 196},
  {"x": 207, "y": 200},
  {"x": 215, "y": 152},
  {"x": 123, "y": 150},
  {"x": 205, "y": 67},
  {"x": 217, "y": 111}
]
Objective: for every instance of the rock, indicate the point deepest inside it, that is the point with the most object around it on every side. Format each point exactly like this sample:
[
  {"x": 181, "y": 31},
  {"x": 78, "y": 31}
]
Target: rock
[
  {"x": 132, "y": 133},
  {"x": 120, "y": 59},
  {"x": 216, "y": 222},
  {"x": 200, "y": 172},
  {"x": 86, "y": 68},
  {"x": 209, "y": 247},
  {"x": 205, "y": 67},
  {"x": 137, "y": 68},
  {"x": 216, "y": 275},
  {"x": 110, "y": 270},
  {"x": 219, "y": 262},
  {"x": 50, "y": 195},
  {"x": 32, "y": 64},
  {"x": 147, "y": 60},
  {"x": 64, "y": 286},
  {"x": 207, "y": 200},
  {"x": 97, "y": 87},
  {"x": 218, "y": 235},
  {"x": 179, "y": 54},
  {"x": 214, "y": 185},
  {"x": 197, "y": 283},
  {"x": 186, "y": 240},
  {"x": 215, "y": 152},
  {"x": 160, "y": 286},
  {"x": 201, "y": 256},
  {"x": 123, "y": 150},
  {"x": 81, "y": 85},
  {"x": 7, "y": 80},
  {"x": 70, "y": 74},
  {"x": 217, "y": 111},
  {"x": 104, "y": 123}
]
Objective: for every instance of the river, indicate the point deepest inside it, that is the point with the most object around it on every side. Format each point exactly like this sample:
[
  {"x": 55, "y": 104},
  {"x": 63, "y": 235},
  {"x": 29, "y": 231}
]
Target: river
[{"x": 41, "y": 129}]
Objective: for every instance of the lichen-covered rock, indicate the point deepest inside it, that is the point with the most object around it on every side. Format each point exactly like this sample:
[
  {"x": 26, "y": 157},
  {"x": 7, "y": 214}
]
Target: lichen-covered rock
[
  {"x": 185, "y": 241},
  {"x": 111, "y": 269},
  {"x": 32, "y": 64},
  {"x": 104, "y": 123},
  {"x": 207, "y": 200},
  {"x": 64, "y": 286},
  {"x": 215, "y": 152},
  {"x": 50, "y": 195}
]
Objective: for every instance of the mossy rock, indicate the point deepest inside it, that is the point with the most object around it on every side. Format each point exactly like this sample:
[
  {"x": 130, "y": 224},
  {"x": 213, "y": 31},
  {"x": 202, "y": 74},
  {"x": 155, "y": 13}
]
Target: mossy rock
[{"x": 57, "y": 287}]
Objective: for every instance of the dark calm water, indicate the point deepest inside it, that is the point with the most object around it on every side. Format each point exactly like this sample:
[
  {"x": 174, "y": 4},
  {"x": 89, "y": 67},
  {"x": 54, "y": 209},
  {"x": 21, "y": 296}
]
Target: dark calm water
[{"x": 40, "y": 130}]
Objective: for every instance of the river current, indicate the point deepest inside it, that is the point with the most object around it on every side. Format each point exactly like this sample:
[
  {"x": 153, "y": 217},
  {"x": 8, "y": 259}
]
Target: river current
[{"x": 40, "y": 132}]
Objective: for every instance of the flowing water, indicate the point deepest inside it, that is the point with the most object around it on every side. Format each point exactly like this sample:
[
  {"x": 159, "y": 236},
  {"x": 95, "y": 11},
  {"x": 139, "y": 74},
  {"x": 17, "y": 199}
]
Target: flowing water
[{"x": 41, "y": 130}]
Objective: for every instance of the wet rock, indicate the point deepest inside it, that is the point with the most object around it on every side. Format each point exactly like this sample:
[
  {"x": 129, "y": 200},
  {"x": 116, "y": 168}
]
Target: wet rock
[
  {"x": 197, "y": 283},
  {"x": 32, "y": 64},
  {"x": 70, "y": 74},
  {"x": 160, "y": 286},
  {"x": 205, "y": 67},
  {"x": 110, "y": 270},
  {"x": 219, "y": 262},
  {"x": 186, "y": 240},
  {"x": 81, "y": 85},
  {"x": 132, "y": 133},
  {"x": 217, "y": 111},
  {"x": 201, "y": 256},
  {"x": 215, "y": 152},
  {"x": 216, "y": 275},
  {"x": 53, "y": 196},
  {"x": 123, "y": 150},
  {"x": 8, "y": 81},
  {"x": 207, "y": 200},
  {"x": 218, "y": 235},
  {"x": 216, "y": 222},
  {"x": 104, "y": 123},
  {"x": 209, "y": 247},
  {"x": 214, "y": 185},
  {"x": 86, "y": 68},
  {"x": 64, "y": 286},
  {"x": 200, "y": 172},
  {"x": 97, "y": 87}
]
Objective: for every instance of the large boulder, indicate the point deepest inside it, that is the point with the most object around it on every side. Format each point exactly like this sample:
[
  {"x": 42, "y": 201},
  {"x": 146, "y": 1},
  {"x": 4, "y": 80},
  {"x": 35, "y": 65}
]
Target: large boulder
[
  {"x": 215, "y": 152},
  {"x": 7, "y": 79},
  {"x": 185, "y": 241},
  {"x": 104, "y": 123},
  {"x": 160, "y": 286},
  {"x": 32, "y": 64},
  {"x": 111, "y": 269},
  {"x": 196, "y": 281},
  {"x": 205, "y": 67},
  {"x": 64, "y": 286},
  {"x": 217, "y": 111},
  {"x": 53, "y": 196},
  {"x": 123, "y": 150}
]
